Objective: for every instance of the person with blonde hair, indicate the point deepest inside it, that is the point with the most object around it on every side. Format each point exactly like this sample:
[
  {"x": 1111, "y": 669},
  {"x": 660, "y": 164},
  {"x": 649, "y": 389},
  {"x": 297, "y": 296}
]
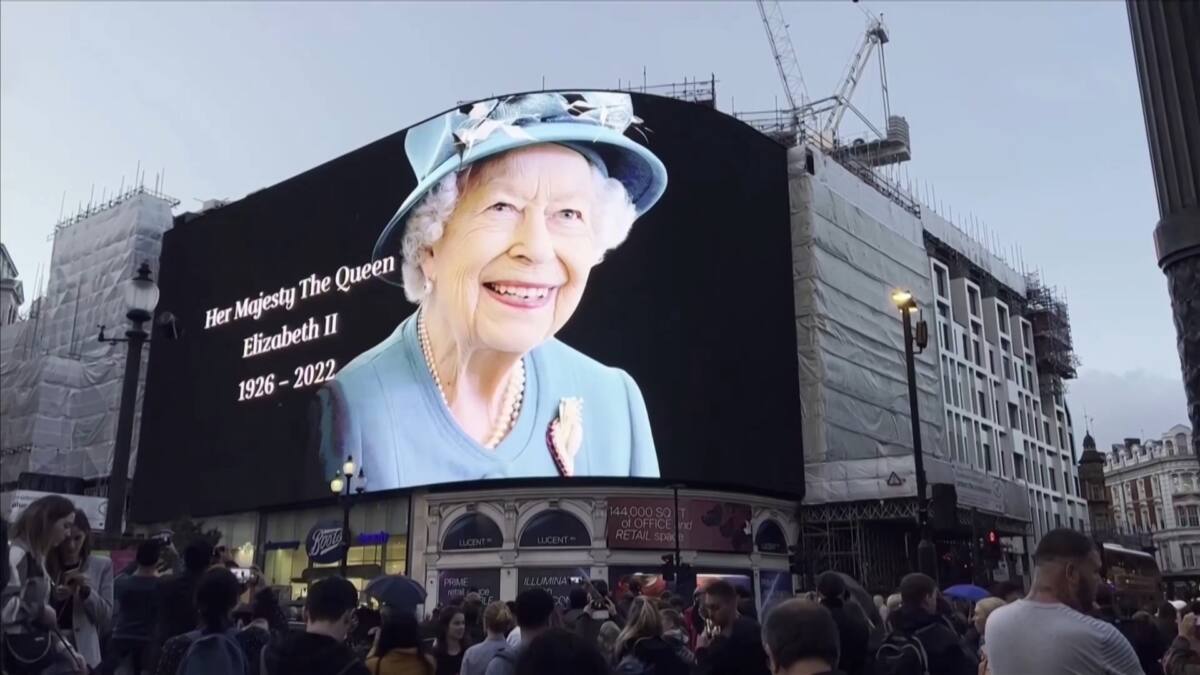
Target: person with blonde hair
[
  {"x": 498, "y": 620},
  {"x": 640, "y": 648},
  {"x": 974, "y": 639},
  {"x": 29, "y": 620}
]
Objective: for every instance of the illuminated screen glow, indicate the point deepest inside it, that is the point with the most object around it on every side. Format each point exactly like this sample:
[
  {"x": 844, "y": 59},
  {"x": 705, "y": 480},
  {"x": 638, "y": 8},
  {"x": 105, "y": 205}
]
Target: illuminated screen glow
[{"x": 550, "y": 342}]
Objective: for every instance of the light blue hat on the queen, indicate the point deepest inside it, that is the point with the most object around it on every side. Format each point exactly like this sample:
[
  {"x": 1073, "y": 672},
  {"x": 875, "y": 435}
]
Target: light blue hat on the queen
[{"x": 592, "y": 123}]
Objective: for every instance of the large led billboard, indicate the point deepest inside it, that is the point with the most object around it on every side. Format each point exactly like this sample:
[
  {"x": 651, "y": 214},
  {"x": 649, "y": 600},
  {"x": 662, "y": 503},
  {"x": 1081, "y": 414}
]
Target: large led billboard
[{"x": 554, "y": 284}]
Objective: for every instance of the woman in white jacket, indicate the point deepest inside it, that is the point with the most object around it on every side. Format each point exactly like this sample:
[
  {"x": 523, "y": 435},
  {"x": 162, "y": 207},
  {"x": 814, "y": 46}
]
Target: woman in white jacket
[{"x": 82, "y": 594}]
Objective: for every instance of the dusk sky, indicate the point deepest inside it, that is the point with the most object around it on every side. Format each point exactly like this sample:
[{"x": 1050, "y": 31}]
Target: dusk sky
[{"x": 1024, "y": 114}]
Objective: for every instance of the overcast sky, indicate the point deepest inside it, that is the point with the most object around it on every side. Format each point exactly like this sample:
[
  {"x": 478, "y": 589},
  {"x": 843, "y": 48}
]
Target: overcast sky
[{"x": 1025, "y": 114}]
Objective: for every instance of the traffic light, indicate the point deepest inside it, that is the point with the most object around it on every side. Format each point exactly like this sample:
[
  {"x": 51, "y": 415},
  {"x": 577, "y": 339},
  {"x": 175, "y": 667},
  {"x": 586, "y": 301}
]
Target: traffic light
[
  {"x": 992, "y": 548},
  {"x": 668, "y": 567}
]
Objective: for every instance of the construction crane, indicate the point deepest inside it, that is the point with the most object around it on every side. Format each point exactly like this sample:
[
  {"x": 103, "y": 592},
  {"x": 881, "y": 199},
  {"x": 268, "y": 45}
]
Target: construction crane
[
  {"x": 785, "y": 54},
  {"x": 875, "y": 36},
  {"x": 818, "y": 120}
]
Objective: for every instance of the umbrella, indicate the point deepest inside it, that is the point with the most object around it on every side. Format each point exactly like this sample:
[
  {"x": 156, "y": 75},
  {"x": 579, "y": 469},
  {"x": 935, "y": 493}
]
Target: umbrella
[
  {"x": 396, "y": 590},
  {"x": 968, "y": 592},
  {"x": 863, "y": 598}
]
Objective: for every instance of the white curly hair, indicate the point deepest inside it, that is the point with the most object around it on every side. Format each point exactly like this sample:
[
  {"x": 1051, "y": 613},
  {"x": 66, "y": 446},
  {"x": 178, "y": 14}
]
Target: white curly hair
[{"x": 426, "y": 223}]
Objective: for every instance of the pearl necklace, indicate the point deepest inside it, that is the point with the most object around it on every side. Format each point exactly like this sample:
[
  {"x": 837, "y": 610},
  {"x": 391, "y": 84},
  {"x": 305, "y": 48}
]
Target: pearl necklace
[{"x": 510, "y": 409}]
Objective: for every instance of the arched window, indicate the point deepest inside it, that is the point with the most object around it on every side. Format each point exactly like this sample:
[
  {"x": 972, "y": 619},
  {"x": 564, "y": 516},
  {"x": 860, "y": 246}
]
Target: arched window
[
  {"x": 770, "y": 538},
  {"x": 472, "y": 531},
  {"x": 554, "y": 528}
]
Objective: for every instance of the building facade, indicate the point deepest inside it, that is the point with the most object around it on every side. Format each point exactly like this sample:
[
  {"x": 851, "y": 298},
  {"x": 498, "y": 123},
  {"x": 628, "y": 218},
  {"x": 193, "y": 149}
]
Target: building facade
[
  {"x": 1154, "y": 488},
  {"x": 998, "y": 438},
  {"x": 12, "y": 292},
  {"x": 1095, "y": 490},
  {"x": 1006, "y": 415}
]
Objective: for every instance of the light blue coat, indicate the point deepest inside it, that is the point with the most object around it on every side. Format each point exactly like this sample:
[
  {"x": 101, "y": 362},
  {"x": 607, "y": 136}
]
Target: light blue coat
[{"x": 384, "y": 409}]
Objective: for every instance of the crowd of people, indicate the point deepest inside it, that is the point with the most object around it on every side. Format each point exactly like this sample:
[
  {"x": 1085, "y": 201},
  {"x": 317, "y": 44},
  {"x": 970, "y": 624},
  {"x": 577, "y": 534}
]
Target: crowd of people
[{"x": 66, "y": 610}]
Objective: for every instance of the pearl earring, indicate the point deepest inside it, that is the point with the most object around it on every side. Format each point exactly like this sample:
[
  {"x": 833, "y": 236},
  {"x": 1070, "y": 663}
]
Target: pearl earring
[{"x": 428, "y": 285}]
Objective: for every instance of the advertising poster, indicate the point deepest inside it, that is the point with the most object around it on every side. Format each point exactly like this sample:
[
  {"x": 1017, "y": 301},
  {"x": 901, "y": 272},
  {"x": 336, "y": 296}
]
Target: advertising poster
[
  {"x": 704, "y": 524},
  {"x": 774, "y": 586},
  {"x": 453, "y": 585},
  {"x": 557, "y": 581},
  {"x": 623, "y": 260}
]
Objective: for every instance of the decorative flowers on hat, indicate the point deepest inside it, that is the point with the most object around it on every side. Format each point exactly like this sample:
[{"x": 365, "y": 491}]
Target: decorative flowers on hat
[
  {"x": 565, "y": 435},
  {"x": 509, "y": 114}
]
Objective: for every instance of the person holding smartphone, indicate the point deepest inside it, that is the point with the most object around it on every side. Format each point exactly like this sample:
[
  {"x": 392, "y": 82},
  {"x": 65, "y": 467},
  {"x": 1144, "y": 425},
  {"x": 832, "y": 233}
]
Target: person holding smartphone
[{"x": 83, "y": 590}]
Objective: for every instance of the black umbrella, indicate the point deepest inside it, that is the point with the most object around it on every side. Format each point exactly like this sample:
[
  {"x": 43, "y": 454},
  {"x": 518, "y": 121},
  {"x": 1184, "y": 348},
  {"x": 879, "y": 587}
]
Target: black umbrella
[
  {"x": 863, "y": 598},
  {"x": 396, "y": 590}
]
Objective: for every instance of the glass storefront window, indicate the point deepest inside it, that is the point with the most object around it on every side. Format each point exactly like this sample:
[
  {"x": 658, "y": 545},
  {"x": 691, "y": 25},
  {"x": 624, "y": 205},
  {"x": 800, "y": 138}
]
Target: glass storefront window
[
  {"x": 397, "y": 555},
  {"x": 285, "y": 567}
]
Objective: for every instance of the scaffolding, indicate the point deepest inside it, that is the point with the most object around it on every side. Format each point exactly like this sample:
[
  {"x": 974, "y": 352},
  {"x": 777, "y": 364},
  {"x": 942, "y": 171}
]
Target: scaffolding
[
  {"x": 875, "y": 542},
  {"x": 872, "y": 160},
  {"x": 60, "y": 387},
  {"x": 695, "y": 90},
  {"x": 867, "y": 540},
  {"x": 1046, "y": 309}
]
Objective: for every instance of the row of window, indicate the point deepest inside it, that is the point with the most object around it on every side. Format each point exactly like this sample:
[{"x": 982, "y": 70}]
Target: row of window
[
  {"x": 1191, "y": 555},
  {"x": 1046, "y": 518},
  {"x": 1187, "y": 516}
]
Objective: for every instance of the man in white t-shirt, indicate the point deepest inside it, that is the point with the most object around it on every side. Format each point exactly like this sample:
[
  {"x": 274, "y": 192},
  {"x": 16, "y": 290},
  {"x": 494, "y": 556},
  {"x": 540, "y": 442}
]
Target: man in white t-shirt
[{"x": 1049, "y": 631}]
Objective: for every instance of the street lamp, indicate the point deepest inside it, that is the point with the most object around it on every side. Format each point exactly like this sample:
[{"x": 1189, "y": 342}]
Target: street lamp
[
  {"x": 141, "y": 297},
  {"x": 926, "y": 555},
  {"x": 340, "y": 486}
]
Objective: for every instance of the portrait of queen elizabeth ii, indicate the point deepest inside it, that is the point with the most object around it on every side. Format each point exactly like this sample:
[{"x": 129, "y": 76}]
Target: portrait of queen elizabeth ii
[{"x": 518, "y": 198}]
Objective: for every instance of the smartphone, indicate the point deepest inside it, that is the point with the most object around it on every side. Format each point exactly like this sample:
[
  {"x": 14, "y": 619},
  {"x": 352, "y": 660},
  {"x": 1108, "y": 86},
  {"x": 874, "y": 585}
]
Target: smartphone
[{"x": 243, "y": 574}]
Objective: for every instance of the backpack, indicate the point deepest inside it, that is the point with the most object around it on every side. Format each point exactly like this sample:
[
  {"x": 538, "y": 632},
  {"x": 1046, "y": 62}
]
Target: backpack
[
  {"x": 901, "y": 654},
  {"x": 213, "y": 654}
]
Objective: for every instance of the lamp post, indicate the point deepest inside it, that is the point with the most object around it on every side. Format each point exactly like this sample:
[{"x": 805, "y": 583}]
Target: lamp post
[
  {"x": 926, "y": 555},
  {"x": 340, "y": 486},
  {"x": 141, "y": 297}
]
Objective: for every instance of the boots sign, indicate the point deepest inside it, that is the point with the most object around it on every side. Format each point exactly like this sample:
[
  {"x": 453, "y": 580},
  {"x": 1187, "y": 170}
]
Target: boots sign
[{"x": 325, "y": 541}]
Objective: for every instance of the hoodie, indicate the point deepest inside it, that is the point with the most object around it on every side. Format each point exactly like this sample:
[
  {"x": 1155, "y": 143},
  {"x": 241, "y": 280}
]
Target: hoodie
[
  {"x": 312, "y": 654},
  {"x": 947, "y": 656}
]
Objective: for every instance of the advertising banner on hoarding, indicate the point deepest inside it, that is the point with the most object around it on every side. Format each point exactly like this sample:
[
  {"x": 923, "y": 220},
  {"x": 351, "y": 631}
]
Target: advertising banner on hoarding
[
  {"x": 453, "y": 585},
  {"x": 594, "y": 242},
  {"x": 704, "y": 524},
  {"x": 96, "y": 508},
  {"x": 774, "y": 586},
  {"x": 557, "y": 581}
]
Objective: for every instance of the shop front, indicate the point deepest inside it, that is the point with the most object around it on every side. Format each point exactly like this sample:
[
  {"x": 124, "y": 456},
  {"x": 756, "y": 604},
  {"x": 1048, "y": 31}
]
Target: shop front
[
  {"x": 304, "y": 545},
  {"x": 498, "y": 542}
]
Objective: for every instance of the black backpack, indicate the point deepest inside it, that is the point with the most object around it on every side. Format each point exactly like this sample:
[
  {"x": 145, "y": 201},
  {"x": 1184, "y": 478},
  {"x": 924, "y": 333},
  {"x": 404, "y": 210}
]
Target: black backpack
[{"x": 902, "y": 654}]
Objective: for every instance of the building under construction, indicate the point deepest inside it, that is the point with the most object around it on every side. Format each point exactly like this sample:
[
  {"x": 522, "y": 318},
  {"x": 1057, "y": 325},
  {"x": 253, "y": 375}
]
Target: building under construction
[
  {"x": 60, "y": 387},
  {"x": 997, "y": 433}
]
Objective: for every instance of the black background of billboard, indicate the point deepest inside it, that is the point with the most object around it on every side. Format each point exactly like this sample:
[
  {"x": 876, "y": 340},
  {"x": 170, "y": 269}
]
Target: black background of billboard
[{"x": 696, "y": 305}]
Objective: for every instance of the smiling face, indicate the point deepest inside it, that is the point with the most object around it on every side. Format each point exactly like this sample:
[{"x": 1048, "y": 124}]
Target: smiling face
[
  {"x": 458, "y": 627},
  {"x": 511, "y": 266}
]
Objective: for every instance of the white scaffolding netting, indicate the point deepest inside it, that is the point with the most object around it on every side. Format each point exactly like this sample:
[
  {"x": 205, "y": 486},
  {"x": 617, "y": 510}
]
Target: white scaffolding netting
[
  {"x": 851, "y": 249},
  {"x": 60, "y": 388}
]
